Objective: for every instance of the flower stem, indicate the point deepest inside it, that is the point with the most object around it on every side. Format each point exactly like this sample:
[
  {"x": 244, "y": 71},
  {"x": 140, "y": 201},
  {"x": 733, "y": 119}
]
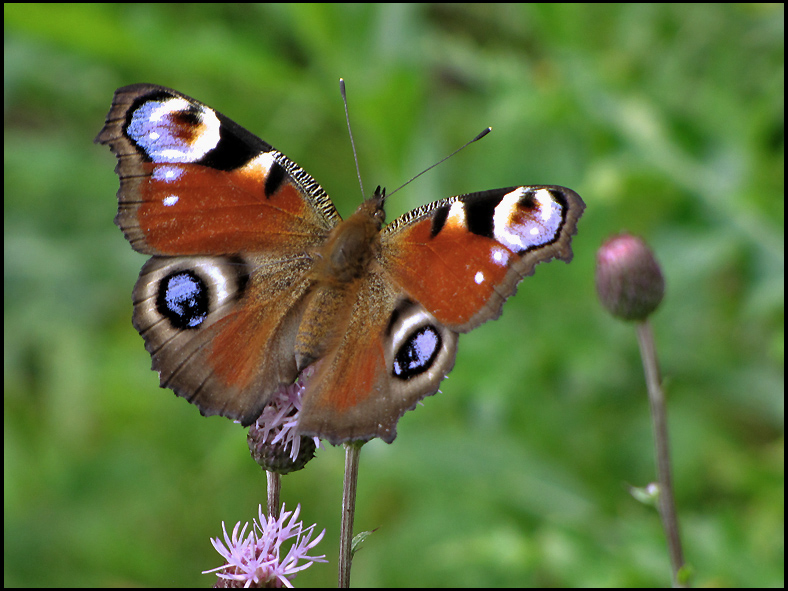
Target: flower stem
[
  {"x": 274, "y": 488},
  {"x": 352, "y": 453},
  {"x": 665, "y": 500}
]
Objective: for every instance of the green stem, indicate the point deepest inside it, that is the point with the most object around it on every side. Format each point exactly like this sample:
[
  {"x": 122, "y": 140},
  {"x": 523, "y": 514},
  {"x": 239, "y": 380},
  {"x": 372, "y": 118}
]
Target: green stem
[
  {"x": 274, "y": 488},
  {"x": 665, "y": 500},
  {"x": 352, "y": 453}
]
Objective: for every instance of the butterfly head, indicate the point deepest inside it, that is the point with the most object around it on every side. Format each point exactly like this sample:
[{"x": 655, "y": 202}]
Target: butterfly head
[
  {"x": 352, "y": 244},
  {"x": 374, "y": 207}
]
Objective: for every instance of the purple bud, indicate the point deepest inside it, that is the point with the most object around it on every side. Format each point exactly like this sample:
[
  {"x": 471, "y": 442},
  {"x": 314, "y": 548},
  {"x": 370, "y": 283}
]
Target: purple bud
[
  {"x": 628, "y": 279},
  {"x": 274, "y": 439},
  {"x": 274, "y": 455}
]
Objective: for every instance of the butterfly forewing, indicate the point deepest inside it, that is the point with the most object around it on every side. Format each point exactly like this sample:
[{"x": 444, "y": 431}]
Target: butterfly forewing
[
  {"x": 195, "y": 182},
  {"x": 463, "y": 256}
]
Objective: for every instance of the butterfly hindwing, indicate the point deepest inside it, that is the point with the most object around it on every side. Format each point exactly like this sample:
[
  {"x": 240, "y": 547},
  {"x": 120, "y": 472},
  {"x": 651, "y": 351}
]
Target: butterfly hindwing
[
  {"x": 391, "y": 354},
  {"x": 221, "y": 330}
]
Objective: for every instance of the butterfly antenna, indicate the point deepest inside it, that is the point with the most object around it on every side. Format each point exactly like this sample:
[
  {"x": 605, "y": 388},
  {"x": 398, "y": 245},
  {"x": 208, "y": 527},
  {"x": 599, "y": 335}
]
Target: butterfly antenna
[
  {"x": 350, "y": 133},
  {"x": 465, "y": 145}
]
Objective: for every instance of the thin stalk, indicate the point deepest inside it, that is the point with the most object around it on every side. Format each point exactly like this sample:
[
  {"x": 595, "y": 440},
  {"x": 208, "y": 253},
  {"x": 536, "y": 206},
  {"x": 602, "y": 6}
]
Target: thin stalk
[
  {"x": 352, "y": 454},
  {"x": 665, "y": 500},
  {"x": 274, "y": 488}
]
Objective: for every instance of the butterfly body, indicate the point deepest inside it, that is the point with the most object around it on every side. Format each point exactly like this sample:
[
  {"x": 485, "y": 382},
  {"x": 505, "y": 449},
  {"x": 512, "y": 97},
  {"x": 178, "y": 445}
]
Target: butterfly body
[
  {"x": 339, "y": 267},
  {"x": 254, "y": 276}
]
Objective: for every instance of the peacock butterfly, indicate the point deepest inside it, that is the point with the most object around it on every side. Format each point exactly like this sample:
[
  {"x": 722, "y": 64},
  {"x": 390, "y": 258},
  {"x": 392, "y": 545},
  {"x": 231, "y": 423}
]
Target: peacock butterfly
[{"x": 254, "y": 275}]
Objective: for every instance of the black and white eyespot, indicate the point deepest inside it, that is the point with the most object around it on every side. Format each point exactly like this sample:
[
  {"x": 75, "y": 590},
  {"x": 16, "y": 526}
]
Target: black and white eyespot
[
  {"x": 417, "y": 341},
  {"x": 418, "y": 352},
  {"x": 526, "y": 218},
  {"x": 183, "y": 292},
  {"x": 183, "y": 299},
  {"x": 173, "y": 129}
]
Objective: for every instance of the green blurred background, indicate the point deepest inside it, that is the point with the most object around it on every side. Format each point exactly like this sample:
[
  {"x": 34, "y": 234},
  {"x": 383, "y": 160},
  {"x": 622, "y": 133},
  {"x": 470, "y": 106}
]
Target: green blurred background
[{"x": 668, "y": 120}]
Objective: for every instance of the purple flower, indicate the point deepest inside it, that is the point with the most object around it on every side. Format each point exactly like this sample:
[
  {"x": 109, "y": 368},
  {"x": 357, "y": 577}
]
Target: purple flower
[{"x": 256, "y": 560}]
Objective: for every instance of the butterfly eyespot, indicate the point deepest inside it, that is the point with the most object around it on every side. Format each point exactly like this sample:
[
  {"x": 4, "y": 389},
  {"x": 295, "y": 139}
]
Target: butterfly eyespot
[
  {"x": 418, "y": 353},
  {"x": 183, "y": 299}
]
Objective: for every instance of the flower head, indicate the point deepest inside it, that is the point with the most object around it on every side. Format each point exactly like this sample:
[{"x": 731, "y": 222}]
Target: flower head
[
  {"x": 256, "y": 560},
  {"x": 629, "y": 281},
  {"x": 274, "y": 439}
]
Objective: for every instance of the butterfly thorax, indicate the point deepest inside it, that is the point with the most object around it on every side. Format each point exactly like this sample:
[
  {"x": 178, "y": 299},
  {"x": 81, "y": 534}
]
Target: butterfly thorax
[{"x": 352, "y": 246}]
